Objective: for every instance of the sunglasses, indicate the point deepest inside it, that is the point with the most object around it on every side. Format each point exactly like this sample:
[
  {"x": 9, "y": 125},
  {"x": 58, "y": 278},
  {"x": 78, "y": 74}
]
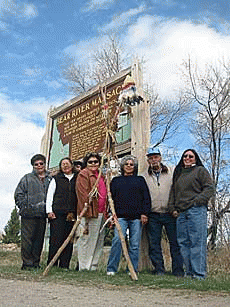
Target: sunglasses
[
  {"x": 188, "y": 156},
  {"x": 93, "y": 162},
  {"x": 39, "y": 163},
  {"x": 129, "y": 164}
]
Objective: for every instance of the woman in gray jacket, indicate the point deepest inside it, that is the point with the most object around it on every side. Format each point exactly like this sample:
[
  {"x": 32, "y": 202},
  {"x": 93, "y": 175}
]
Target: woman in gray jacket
[{"x": 191, "y": 190}]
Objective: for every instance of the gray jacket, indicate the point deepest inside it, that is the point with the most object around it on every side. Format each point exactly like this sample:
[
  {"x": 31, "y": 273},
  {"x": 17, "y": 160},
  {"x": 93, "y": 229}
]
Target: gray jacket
[{"x": 30, "y": 195}]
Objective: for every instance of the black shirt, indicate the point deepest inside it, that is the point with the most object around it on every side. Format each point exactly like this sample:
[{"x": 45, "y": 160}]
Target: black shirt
[{"x": 131, "y": 196}]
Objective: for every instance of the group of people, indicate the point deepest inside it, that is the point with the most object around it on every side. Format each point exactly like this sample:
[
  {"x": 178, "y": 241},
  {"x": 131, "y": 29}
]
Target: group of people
[{"x": 174, "y": 198}]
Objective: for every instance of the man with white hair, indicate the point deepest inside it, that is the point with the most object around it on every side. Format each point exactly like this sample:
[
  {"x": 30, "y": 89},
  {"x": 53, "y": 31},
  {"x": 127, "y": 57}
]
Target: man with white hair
[{"x": 159, "y": 181}]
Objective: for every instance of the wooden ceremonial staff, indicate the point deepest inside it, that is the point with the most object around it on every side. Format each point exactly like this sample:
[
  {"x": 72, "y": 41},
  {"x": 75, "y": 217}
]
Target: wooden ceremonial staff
[
  {"x": 110, "y": 140},
  {"x": 75, "y": 226}
]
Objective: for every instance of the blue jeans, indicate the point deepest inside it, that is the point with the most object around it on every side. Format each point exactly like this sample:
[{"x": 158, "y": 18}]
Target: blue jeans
[
  {"x": 154, "y": 231},
  {"x": 192, "y": 239},
  {"x": 134, "y": 227}
]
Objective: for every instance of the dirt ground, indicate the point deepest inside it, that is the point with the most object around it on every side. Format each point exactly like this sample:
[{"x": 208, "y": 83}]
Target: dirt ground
[{"x": 17, "y": 293}]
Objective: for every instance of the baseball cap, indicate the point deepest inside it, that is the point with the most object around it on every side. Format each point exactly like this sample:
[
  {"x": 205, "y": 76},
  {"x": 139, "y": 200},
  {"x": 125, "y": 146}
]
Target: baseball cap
[{"x": 153, "y": 151}]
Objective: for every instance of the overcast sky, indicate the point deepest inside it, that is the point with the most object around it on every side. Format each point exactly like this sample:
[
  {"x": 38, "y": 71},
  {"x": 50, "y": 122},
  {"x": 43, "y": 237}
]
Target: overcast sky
[{"x": 36, "y": 36}]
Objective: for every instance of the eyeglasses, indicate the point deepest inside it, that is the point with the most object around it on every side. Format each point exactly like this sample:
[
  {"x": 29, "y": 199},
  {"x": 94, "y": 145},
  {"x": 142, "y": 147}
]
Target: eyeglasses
[
  {"x": 188, "y": 156},
  {"x": 129, "y": 164},
  {"x": 39, "y": 163},
  {"x": 93, "y": 162}
]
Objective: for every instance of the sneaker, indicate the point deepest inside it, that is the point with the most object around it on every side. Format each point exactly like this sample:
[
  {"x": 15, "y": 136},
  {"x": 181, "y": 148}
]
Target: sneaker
[
  {"x": 111, "y": 273},
  {"x": 137, "y": 273}
]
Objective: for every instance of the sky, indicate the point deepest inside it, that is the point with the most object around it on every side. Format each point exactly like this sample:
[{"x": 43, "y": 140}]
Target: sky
[{"x": 37, "y": 36}]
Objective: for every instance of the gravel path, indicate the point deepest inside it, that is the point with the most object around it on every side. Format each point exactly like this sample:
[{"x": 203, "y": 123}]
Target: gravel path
[{"x": 17, "y": 293}]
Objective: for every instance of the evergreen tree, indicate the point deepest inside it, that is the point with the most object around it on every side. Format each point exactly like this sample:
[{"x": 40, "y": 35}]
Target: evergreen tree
[{"x": 12, "y": 229}]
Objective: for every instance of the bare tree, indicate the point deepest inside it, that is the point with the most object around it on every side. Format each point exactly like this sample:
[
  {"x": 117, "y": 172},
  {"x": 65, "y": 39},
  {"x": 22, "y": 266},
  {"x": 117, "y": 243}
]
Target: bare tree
[
  {"x": 209, "y": 92},
  {"x": 106, "y": 61},
  {"x": 109, "y": 59},
  {"x": 78, "y": 76},
  {"x": 166, "y": 115}
]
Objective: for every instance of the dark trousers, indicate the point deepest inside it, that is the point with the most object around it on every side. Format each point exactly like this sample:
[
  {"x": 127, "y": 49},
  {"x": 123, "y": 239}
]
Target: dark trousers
[
  {"x": 154, "y": 231},
  {"x": 32, "y": 238},
  {"x": 59, "y": 231}
]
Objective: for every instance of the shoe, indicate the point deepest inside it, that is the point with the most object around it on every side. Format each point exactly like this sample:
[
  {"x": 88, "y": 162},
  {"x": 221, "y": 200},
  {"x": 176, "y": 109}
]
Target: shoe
[
  {"x": 64, "y": 269},
  {"x": 137, "y": 273},
  {"x": 159, "y": 273},
  {"x": 179, "y": 276},
  {"x": 195, "y": 277},
  {"x": 111, "y": 273},
  {"x": 37, "y": 266},
  {"x": 27, "y": 267}
]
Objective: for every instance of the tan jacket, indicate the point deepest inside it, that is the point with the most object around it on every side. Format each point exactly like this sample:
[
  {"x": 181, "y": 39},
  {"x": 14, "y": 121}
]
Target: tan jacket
[
  {"x": 159, "y": 193},
  {"x": 85, "y": 181}
]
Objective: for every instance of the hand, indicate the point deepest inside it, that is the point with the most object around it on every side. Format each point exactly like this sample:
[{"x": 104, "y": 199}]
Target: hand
[
  {"x": 70, "y": 217},
  {"x": 144, "y": 219},
  {"x": 106, "y": 215},
  {"x": 175, "y": 214},
  {"x": 114, "y": 219},
  {"x": 51, "y": 216}
]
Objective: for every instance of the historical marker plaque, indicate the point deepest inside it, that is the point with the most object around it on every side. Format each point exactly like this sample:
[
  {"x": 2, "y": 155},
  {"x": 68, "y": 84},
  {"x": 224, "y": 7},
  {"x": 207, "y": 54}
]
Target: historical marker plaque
[{"x": 80, "y": 127}]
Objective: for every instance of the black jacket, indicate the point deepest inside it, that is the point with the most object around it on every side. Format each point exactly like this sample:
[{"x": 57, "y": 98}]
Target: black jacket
[{"x": 65, "y": 198}]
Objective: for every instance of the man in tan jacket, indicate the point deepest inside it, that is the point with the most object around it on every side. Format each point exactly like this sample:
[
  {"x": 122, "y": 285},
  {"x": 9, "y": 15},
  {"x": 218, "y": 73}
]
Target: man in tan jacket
[{"x": 159, "y": 181}]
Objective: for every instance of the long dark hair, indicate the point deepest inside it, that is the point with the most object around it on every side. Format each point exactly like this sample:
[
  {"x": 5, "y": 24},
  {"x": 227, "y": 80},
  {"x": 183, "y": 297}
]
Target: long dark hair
[{"x": 180, "y": 165}]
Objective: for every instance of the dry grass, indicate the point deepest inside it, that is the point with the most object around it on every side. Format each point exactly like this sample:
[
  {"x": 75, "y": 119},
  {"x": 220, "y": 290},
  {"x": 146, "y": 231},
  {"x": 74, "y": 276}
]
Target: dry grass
[
  {"x": 219, "y": 261},
  {"x": 9, "y": 254},
  {"x": 218, "y": 272}
]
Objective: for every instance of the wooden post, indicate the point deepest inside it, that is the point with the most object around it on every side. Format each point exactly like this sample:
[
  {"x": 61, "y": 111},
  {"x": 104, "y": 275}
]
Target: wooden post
[{"x": 75, "y": 226}]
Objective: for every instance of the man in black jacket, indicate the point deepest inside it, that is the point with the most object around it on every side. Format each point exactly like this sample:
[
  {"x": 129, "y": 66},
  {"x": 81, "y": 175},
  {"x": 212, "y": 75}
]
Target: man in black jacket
[{"x": 30, "y": 197}]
